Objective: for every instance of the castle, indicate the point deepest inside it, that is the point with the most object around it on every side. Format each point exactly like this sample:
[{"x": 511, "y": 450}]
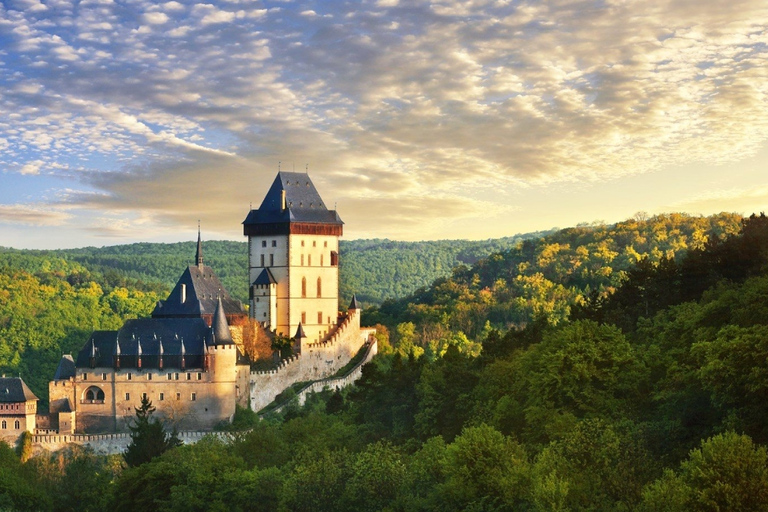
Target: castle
[{"x": 188, "y": 357}]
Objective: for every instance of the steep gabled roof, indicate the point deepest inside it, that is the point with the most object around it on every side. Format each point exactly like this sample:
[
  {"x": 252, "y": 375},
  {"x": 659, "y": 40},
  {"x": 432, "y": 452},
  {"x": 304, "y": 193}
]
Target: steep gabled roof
[
  {"x": 14, "y": 390},
  {"x": 302, "y": 203},
  {"x": 196, "y": 294}
]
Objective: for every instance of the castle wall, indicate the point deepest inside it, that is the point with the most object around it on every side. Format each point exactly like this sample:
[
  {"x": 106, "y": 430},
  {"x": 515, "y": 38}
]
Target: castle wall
[
  {"x": 107, "y": 444},
  {"x": 338, "y": 382},
  {"x": 317, "y": 361}
]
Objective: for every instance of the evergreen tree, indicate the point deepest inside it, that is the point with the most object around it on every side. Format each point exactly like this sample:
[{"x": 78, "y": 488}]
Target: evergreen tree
[{"x": 148, "y": 436}]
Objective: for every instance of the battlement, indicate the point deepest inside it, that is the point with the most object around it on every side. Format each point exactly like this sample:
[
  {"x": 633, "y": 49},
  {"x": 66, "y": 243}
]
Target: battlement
[
  {"x": 108, "y": 443},
  {"x": 282, "y": 365},
  {"x": 338, "y": 330}
]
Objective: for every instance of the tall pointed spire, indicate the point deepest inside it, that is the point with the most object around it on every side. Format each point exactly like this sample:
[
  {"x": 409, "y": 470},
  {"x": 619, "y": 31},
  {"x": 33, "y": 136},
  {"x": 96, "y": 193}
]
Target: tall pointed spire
[
  {"x": 199, "y": 254},
  {"x": 221, "y": 334}
]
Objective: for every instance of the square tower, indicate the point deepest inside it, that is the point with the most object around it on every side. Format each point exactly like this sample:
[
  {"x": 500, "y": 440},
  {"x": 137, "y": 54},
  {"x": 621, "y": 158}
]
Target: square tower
[{"x": 293, "y": 259}]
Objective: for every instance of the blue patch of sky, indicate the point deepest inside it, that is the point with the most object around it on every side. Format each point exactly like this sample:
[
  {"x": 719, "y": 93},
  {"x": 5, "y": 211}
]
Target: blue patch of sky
[{"x": 33, "y": 188}]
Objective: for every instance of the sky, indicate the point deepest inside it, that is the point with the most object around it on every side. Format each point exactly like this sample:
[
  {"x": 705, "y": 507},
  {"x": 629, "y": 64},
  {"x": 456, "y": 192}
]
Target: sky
[{"x": 127, "y": 120}]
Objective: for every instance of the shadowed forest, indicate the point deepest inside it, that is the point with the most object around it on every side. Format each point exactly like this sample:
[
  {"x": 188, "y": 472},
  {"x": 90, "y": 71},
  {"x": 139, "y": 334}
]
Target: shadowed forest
[{"x": 597, "y": 368}]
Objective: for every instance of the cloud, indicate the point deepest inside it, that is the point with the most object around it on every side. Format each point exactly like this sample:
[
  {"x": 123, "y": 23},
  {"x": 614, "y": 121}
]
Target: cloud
[
  {"x": 31, "y": 215},
  {"x": 155, "y": 18},
  {"x": 32, "y": 167},
  {"x": 402, "y": 100}
]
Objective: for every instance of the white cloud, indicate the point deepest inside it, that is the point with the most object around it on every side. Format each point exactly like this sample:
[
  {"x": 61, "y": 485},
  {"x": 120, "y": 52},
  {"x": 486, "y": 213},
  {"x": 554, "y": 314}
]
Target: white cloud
[
  {"x": 155, "y": 18},
  {"x": 32, "y": 167}
]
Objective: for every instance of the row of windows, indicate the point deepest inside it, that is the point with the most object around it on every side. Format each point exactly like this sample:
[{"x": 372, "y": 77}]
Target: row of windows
[
  {"x": 334, "y": 260},
  {"x": 94, "y": 395},
  {"x": 170, "y": 376},
  {"x": 16, "y": 425},
  {"x": 274, "y": 243},
  {"x": 161, "y": 396},
  {"x": 8, "y": 407}
]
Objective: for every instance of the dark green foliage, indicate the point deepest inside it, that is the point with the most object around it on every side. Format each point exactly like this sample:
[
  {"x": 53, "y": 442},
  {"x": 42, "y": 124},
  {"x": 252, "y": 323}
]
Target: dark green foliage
[
  {"x": 728, "y": 472},
  {"x": 148, "y": 436}
]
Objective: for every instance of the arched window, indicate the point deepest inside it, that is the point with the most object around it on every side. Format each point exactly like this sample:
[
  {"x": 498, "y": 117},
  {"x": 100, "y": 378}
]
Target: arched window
[
  {"x": 5, "y": 425},
  {"x": 16, "y": 425},
  {"x": 321, "y": 260},
  {"x": 93, "y": 395},
  {"x": 319, "y": 287},
  {"x": 303, "y": 286}
]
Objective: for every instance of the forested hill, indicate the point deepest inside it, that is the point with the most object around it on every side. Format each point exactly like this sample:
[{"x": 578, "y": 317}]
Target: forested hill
[
  {"x": 374, "y": 269},
  {"x": 545, "y": 277},
  {"x": 650, "y": 398}
]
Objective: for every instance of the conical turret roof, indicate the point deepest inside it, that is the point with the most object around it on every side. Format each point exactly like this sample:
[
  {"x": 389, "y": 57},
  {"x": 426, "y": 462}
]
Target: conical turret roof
[{"x": 221, "y": 334}]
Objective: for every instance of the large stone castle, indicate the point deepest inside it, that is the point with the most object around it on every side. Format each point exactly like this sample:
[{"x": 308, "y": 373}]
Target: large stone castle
[{"x": 189, "y": 359}]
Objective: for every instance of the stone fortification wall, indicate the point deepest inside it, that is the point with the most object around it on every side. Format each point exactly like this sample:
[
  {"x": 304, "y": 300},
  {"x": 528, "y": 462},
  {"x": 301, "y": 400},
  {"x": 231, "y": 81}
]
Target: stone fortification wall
[
  {"x": 336, "y": 383},
  {"x": 106, "y": 444},
  {"x": 316, "y": 361}
]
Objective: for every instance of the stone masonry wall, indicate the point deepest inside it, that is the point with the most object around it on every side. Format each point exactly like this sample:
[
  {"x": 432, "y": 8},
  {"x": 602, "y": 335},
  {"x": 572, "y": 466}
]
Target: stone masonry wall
[
  {"x": 317, "y": 361},
  {"x": 338, "y": 382}
]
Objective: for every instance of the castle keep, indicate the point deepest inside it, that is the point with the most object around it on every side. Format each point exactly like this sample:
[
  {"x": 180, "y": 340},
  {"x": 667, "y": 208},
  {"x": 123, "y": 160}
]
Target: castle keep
[
  {"x": 293, "y": 259},
  {"x": 188, "y": 357}
]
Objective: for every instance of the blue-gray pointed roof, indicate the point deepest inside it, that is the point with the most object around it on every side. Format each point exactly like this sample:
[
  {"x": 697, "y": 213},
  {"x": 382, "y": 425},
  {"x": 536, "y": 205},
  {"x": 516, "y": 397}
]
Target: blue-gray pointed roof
[
  {"x": 302, "y": 203},
  {"x": 221, "y": 334},
  {"x": 355, "y": 304},
  {"x": 300, "y": 332},
  {"x": 265, "y": 277}
]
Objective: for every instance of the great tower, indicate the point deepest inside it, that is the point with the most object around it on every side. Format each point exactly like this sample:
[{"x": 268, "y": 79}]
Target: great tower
[{"x": 293, "y": 259}]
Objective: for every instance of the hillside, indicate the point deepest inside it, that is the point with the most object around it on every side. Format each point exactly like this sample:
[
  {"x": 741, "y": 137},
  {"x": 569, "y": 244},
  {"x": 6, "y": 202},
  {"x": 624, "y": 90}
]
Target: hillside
[
  {"x": 664, "y": 411},
  {"x": 374, "y": 269},
  {"x": 51, "y": 300},
  {"x": 545, "y": 277}
]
